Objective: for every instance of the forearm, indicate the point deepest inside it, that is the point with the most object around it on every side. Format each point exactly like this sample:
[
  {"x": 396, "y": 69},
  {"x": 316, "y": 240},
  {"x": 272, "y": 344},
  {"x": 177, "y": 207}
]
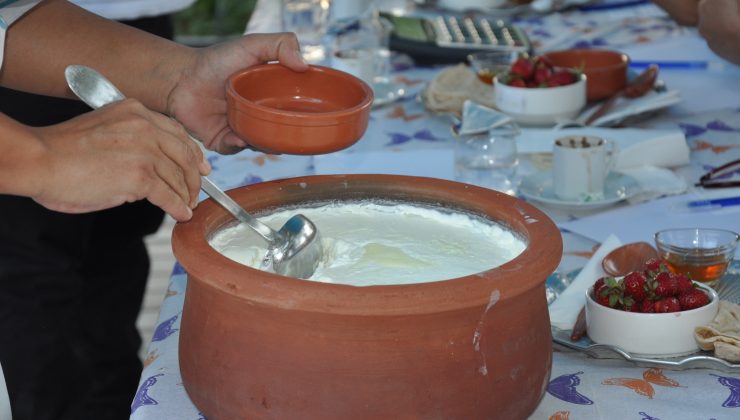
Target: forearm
[
  {"x": 56, "y": 33},
  {"x": 21, "y": 159}
]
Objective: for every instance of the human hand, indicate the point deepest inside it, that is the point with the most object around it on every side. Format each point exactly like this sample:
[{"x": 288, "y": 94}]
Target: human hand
[
  {"x": 198, "y": 100},
  {"x": 682, "y": 11},
  {"x": 119, "y": 153},
  {"x": 719, "y": 24}
]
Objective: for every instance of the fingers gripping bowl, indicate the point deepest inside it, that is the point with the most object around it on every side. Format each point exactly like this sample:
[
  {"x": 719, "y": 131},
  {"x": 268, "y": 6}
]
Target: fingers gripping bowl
[{"x": 278, "y": 110}]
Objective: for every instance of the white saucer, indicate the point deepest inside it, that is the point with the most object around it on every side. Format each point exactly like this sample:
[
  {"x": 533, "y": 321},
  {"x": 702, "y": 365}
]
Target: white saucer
[
  {"x": 538, "y": 187},
  {"x": 387, "y": 92}
]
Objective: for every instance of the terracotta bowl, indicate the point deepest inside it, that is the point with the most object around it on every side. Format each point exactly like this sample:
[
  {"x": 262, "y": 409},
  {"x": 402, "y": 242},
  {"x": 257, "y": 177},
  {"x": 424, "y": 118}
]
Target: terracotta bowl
[
  {"x": 278, "y": 110},
  {"x": 261, "y": 346},
  {"x": 649, "y": 335},
  {"x": 605, "y": 70}
]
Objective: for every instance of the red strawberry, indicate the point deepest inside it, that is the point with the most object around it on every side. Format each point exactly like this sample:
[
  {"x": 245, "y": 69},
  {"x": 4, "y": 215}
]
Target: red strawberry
[
  {"x": 562, "y": 78},
  {"x": 607, "y": 292},
  {"x": 630, "y": 305},
  {"x": 523, "y": 67},
  {"x": 542, "y": 75},
  {"x": 542, "y": 62},
  {"x": 665, "y": 284},
  {"x": 648, "y": 306},
  {"x": 517, "y": 83},
  {"x": 668, "y": 304},
  {"x": 693, "y": 299},
  {"x": 655, "y": 266},
  {"x": 634, "y": 286},
  {"x": 683, "y": 283}
]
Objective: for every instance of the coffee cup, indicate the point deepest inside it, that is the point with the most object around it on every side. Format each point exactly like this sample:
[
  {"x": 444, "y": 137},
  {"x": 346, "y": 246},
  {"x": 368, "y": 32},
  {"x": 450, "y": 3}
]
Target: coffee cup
[{"x": 580, "y": 167}]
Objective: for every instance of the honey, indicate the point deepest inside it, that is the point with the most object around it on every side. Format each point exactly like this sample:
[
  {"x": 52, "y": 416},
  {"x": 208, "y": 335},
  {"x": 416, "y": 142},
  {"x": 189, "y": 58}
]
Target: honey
[{"x": 698, "y": 264}]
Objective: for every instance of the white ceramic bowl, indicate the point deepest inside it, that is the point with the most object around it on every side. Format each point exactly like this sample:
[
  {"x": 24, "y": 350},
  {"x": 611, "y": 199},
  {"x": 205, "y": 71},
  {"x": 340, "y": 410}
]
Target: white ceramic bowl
[
  {"x": 649, "y": 335},
  {"x": 541, "y": 106}
]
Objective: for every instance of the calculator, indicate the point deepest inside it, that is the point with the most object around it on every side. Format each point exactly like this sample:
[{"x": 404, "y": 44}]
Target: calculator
[{"x": 449, "y": 38}]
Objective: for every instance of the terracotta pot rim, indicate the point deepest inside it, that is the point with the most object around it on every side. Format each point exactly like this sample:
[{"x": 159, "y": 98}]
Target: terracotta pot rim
[
  {"x": 621, "y": 64},
  {"x": 540, "y": 257},
  {"x": 300, "y": 121},
  {"x": 276, "y": 114}
]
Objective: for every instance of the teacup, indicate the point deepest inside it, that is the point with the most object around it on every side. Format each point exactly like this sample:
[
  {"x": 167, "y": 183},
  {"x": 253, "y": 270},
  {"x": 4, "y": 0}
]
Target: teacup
[{"x": 580, "y": 166}]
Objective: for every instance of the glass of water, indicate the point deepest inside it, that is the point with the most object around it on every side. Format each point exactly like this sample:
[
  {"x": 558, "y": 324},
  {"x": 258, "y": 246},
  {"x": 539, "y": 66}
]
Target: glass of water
[
  {"x": 308, "y": 19},
  {"x": 489, "y": 159}
]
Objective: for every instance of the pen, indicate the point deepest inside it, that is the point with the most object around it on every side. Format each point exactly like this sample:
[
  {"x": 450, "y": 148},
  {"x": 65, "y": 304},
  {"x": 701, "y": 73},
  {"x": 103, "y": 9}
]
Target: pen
[
  {"x": 679, "y": 65},
  {"x": 715, "y": 202}
]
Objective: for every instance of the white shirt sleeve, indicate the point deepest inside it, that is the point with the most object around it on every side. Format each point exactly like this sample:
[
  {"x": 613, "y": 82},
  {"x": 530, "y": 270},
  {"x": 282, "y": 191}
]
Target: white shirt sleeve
[{"x": 10, "y": 11}]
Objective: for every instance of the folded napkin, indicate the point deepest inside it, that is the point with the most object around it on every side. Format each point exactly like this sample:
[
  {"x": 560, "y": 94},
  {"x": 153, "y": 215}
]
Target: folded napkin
[
  {"x": 626, "y": 107},
  {"x": 564, "y": 310}
]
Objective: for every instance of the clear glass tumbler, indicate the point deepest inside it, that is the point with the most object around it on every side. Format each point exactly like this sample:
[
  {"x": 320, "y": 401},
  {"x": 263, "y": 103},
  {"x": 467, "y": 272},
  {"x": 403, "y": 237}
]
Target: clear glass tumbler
[
  {"x": 309, "y": 20},
  {"x": 489, "y": 159}
]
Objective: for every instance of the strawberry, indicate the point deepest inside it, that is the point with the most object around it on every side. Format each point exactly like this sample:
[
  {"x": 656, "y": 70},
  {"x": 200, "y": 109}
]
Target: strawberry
[
  {"x": 562, "y": 78},
  {"x": 523, "y": 67},
  {"x": 542, "y": 75},
  {"x": 654, "y": 266},
  {"x": 693, "y": 299},
  {"x": 648, "y": 306},
  {"x": 665, "y": 284},
  {"x": 634, "y": 286},
  {"x": 517, "y": 83},
  {"x": 608, "y": 292},
  {"x": 667, "y": 304},
  {"x": 683, "y": 283}
]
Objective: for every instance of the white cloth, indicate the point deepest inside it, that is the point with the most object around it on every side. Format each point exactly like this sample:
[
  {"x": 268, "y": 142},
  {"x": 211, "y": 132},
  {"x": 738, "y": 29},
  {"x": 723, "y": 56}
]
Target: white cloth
[
  {"x": 4, "y": 398},
  {"x": 132, "y": 9},
  {"x": 565, "y": 309}
]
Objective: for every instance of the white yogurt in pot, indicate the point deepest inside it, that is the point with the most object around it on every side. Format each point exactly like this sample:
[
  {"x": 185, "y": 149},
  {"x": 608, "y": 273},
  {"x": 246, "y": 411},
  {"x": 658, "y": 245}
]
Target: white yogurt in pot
[{"x": 372, "y": 243}]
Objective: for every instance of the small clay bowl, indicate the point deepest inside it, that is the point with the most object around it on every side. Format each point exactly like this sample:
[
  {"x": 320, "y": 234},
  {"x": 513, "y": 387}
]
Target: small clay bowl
[
  {"x": 278, "y": 110},
  {"x": 606, "y": 70}
]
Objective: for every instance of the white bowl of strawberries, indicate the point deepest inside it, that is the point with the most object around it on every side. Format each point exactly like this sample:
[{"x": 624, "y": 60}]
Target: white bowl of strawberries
[
  {"x": 536, "y": 93},
  {"x": 649, "y": 313}
]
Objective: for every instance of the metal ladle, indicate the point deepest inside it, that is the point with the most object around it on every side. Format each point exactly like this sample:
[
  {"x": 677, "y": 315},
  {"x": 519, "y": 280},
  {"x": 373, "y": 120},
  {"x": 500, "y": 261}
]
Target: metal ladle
[{"x": 294, "y": 250}]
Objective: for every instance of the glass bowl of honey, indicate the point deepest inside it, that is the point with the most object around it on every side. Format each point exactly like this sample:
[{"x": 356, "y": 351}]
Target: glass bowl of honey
[
  {"x": 488, "y": 64},
  {"x": 703, "y": 254}
]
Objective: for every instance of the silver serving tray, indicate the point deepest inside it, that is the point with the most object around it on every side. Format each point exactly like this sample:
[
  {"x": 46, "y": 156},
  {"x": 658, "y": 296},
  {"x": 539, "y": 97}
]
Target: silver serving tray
[{"x": 727, "y": 289}]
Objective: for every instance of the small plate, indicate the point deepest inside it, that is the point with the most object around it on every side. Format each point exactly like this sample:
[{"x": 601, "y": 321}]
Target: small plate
[
  {"x": 617, "y": 187},
  {"x": 727, "y": 289},
  {"x": 387, "y": 92}
]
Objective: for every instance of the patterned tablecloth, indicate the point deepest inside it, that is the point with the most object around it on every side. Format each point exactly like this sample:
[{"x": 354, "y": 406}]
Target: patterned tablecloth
[{"x": 580, "y": 387}]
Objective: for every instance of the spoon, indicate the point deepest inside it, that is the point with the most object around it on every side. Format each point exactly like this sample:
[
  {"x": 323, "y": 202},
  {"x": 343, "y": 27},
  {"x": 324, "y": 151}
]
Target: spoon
[
  {"x": 618, "y": 262},
  {"x": 637, "y": 87},
  {"x": 628, "y": 258},
  {"x": 294, "y": 250}
]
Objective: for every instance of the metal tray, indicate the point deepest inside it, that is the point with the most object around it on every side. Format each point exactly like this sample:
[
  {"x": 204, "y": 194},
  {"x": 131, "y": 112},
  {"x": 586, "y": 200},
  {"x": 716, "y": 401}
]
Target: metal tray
[{"x": 727, "y": 289}]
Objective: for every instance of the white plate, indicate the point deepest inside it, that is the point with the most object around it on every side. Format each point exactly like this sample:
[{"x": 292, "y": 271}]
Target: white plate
[
  {"x": 387, "y": 92},
  {"x": 617, "y": 187}
]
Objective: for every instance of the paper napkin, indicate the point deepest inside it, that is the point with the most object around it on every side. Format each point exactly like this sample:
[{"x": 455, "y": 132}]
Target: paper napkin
[{"x": 564, "y": 310}]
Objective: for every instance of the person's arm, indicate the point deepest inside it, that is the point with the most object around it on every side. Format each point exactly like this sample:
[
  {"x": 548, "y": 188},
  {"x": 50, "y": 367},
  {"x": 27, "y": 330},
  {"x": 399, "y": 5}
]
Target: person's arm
[
  {"x": 121, "y": 153},
  {"x": 719, "y": 24},
  {"x": 682, "y": 11},
  {"x": 56, "y": 33}
]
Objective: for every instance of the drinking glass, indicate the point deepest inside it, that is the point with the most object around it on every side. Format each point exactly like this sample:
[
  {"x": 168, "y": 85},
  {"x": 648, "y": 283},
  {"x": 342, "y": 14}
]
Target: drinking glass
[
  {"x": 489, "y": 159},
  {"x": 309, "y": 20},
  {"x": 701, "y": 253}
]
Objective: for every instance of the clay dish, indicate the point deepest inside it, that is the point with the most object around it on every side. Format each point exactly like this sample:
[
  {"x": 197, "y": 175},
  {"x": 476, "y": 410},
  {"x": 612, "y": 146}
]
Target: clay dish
[
  {"x": 318, "y": 111},
  {"x": 256, "y": 345},
  {"x": 605, "y": 70}
]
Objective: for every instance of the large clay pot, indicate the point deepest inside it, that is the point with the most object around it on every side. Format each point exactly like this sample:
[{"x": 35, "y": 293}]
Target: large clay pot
[{"x": 255, "y": 345}]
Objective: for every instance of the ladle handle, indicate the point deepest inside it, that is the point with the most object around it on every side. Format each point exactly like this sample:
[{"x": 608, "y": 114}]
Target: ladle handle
[
  {"x": 606, "y": 106},
  {"x": 236, "y": 210}
]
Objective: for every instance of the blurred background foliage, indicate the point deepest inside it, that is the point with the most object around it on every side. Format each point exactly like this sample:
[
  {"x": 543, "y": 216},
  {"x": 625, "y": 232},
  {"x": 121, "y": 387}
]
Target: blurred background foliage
[{"x": 211, "y": 20}]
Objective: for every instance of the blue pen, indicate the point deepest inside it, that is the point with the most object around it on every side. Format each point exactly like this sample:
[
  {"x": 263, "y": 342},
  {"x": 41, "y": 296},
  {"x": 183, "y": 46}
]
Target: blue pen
[
  {"x": 679, "y": 65},
  {"x": 714, "y": 203}
]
